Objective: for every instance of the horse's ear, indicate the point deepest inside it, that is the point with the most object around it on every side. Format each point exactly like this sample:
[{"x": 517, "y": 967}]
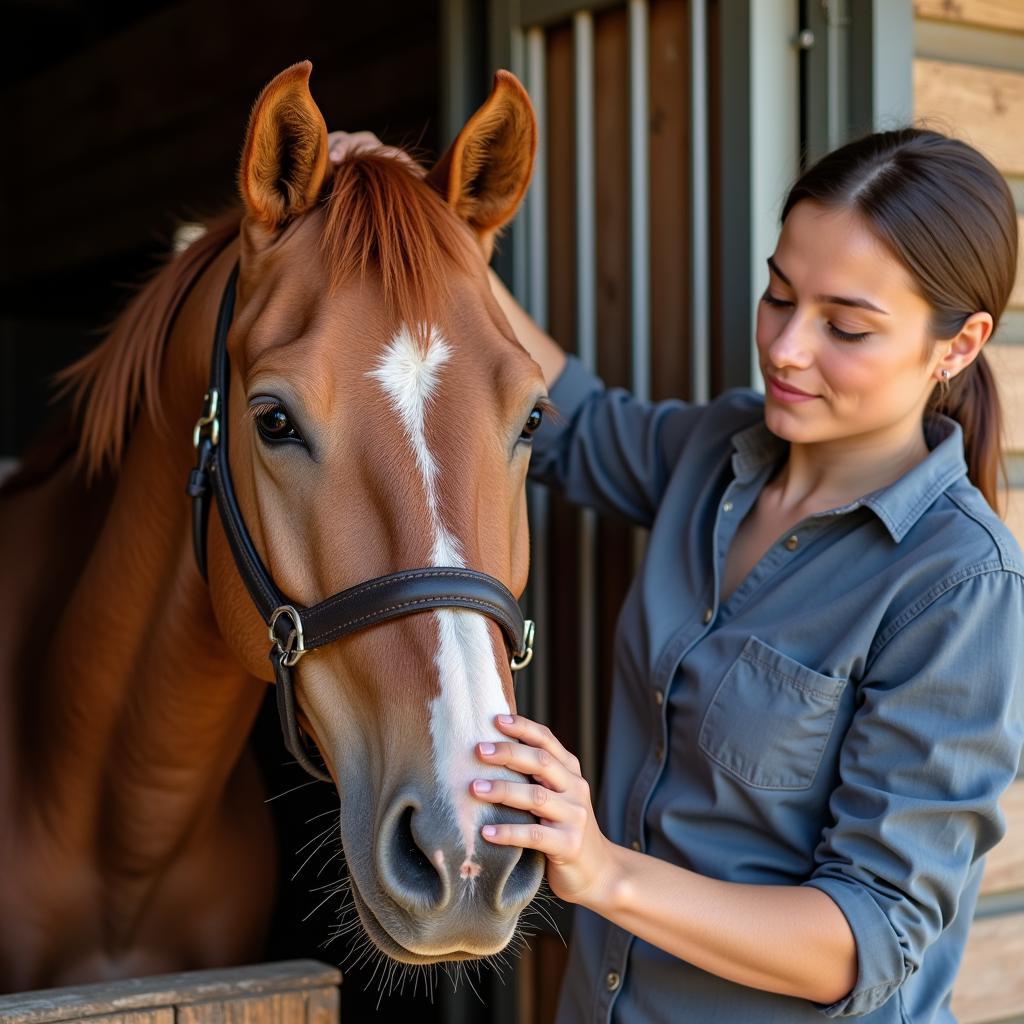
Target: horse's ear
[
  {"x": 485, "y": 172},
  {"x": 284, "y": 161}
]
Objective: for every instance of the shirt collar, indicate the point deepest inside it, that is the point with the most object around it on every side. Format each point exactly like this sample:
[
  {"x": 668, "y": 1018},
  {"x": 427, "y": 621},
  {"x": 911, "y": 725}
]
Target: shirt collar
[{"x": 898, "y": 506}]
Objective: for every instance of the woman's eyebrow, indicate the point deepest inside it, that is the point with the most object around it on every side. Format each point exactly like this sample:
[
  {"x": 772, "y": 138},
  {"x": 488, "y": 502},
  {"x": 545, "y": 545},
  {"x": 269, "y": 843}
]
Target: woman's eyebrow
[{"x": 837, "y": 300}]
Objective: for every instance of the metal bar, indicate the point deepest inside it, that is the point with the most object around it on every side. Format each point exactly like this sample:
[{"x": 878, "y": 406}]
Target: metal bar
[
  {"x": 537, "y": 197},
  {"x": 639, "y": 188},
  {"x": 700, "y": 343},
  {"x": 586, "y": 348},
  {"x": 535, "y": 292}
]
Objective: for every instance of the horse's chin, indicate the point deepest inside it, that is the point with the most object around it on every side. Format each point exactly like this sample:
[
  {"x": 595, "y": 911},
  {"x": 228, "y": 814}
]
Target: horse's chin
[{"x": 391, "y": 947}]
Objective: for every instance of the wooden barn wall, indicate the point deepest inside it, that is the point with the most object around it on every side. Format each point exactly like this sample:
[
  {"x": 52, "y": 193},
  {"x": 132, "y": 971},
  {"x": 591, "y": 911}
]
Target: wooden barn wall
[{"x": 969, "y": 81}]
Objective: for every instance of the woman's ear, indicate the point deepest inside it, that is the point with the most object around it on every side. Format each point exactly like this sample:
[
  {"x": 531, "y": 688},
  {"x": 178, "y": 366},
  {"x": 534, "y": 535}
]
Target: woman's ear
[
  {"x": 284, "y": 161},
  {"x": 485, "y": 172},
  {"x": 962, "y": 350}
]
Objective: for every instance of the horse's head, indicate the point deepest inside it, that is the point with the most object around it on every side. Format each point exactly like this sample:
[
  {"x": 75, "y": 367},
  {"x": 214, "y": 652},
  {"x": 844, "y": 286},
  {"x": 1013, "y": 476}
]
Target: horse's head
[{"x": 380, "y": 418}]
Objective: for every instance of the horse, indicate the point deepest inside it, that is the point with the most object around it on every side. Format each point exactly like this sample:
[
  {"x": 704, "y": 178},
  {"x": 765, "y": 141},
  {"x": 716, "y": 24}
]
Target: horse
[{"x": 379, "y": 421}]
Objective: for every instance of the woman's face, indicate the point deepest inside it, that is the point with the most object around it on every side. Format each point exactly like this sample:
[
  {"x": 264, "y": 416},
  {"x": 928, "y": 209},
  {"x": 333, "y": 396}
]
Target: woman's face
[{"x": 842, "y": 335}]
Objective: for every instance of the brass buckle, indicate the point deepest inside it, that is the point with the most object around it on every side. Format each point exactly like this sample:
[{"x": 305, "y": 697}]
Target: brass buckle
[
  {"x": 523, "y": 658},
  {"x": 211, "y": 404},
  {"x": 296, "y": 646}
]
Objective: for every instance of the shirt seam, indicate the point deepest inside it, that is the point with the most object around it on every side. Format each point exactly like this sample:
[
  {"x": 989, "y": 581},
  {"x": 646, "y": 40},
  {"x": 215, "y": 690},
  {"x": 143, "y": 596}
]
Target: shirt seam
[
  {"x": 1007, "y": 561},
  {"x": 793, "y": 681},
  {"x": 924, "y": 602}
]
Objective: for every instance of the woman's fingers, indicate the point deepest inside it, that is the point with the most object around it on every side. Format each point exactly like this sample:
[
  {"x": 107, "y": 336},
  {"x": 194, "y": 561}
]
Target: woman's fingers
[
  {"x": 550, "y": 841},
  {"x": 527, "y": 731},
  {"x": 527, "y": 760},
  {"x": 540, "y": 801},
  {"x": 342, "y": 145}
]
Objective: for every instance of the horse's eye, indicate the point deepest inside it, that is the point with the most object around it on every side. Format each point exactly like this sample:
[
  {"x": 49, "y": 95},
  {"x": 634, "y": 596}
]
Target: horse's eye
[
  {"x": 273, "y": 424},
  {"x": 533, "y": 422}
]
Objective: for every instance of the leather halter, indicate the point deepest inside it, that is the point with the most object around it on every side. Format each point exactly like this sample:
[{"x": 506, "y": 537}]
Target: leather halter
[{"x": 293, "y": 630}]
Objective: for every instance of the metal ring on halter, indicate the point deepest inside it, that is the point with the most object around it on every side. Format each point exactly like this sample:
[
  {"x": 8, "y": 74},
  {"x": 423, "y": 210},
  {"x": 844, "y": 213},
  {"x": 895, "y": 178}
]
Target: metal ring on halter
[
  {"x": 290, "y": 654},
  {"x": 523, "y": 658},
  {"x": 211, "y": 404}
]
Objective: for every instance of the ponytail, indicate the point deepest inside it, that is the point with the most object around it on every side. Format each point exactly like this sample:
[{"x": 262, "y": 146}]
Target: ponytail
[{"x": 972, "y": 399}]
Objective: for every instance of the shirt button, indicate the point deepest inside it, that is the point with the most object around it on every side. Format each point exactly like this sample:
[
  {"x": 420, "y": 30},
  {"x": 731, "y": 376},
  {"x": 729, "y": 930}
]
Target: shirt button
[
  {"x": 659, "y": 752},
  {"x": 709, "y": 614},
  {"x": 659, "y": 697},
  {"x": 612, "y": 980},
  {"x": 636, "y": 845},
  {"x": 727, "y": 507},
  {"x": 792, "y": 542}
]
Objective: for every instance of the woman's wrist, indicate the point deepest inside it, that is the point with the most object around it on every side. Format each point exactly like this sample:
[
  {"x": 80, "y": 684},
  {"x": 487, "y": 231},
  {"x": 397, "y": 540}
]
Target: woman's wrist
[{"x": 609, "y": 895}]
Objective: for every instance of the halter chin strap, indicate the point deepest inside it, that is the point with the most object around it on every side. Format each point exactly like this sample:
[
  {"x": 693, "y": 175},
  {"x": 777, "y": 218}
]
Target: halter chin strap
[{"x": 293, "y": 630}]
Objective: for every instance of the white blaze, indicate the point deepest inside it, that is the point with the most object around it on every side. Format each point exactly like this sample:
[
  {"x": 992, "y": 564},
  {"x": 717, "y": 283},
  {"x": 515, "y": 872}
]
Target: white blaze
[{"x": 471, "y": 693}]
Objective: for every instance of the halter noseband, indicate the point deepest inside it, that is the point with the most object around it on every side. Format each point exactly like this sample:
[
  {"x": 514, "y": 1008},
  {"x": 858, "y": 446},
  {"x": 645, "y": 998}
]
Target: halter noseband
[{"x": 292, "y": 629}]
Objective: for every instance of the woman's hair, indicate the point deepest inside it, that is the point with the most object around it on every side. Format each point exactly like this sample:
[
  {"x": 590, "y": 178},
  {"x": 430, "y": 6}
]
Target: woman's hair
[{"x": 948, "y": 216}]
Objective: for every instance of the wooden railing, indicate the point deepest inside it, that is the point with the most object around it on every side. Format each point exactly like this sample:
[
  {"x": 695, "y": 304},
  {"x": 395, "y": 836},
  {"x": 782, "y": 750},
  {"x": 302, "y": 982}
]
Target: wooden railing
[{"x": 294, "y": 992}]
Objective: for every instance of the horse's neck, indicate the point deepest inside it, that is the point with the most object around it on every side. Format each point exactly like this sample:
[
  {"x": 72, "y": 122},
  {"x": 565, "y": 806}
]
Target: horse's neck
[{"x": 144, "y": 710}]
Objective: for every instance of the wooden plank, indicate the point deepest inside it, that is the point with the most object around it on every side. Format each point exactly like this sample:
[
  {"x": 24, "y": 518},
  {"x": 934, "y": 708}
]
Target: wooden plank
[
  {"x": 1017, "y": 295},
  {"x": 322, "y": 1005},
  {"x": 280, "y": 1008},
  {"x": 670, "y": 199},
  {"x": 1000, "y": 14},
  {"x": 1004, "y": 869},
  {"x": 182, "y": 989},
  {"x": 1007, "y": 364},
  {"x": 984, "y": 106},
  {"x": 165, "y": 1015},
  {"x": 990, "y": 985}
]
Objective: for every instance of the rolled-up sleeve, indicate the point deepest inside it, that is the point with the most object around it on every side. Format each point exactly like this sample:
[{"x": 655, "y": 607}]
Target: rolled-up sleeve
[
  {"x": 934, "y": 743},
  {"x": 607, "y": 450}
]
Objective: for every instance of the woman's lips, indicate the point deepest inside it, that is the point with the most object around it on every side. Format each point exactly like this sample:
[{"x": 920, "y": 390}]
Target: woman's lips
[{"x": 786, "y": 392}]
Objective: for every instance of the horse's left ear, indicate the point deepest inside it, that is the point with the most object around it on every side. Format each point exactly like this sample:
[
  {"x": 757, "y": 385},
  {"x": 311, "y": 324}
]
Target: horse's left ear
[
  {"x": 284, "y": 161},
  {"x": 485, "y": 172}
]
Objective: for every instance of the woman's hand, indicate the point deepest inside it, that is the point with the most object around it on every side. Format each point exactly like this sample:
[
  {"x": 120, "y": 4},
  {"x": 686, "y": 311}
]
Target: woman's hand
[
  {"x": 582, "y": 863},
  {"x": 342, "y": 145}
]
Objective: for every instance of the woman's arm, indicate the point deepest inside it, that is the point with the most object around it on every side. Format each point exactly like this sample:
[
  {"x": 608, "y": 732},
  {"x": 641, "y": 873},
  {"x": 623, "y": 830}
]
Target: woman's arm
[
  {"x": 786, "y": 939},
  {"x": 544, "y": 349}
]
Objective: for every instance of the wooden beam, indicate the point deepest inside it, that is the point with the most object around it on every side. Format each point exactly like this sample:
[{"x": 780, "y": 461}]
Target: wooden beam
[
  {"x": 984, "y": 106},
  {"x": 1004, "y": 868},
  {"x": 990, "y": 985},
  {"x": 189, "y": 988},
  {"x": 999, "y": 14}
]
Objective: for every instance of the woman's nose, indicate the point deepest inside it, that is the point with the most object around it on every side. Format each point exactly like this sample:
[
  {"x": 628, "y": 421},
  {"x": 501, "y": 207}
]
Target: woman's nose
[{"x": 793, "y": 345}]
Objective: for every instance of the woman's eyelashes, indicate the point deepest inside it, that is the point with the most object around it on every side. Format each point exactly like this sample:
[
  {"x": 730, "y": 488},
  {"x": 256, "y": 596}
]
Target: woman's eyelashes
[{"x": 836, "y": 332}]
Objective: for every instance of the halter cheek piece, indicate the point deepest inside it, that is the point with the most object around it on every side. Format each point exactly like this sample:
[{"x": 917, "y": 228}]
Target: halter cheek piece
[{"x": 293, "y": 630}]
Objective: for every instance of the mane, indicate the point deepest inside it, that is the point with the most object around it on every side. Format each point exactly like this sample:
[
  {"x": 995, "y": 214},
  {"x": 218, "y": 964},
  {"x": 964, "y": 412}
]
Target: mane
[
  {"x": 110, "y": 384},
  {"x": 380, "y": 214}
]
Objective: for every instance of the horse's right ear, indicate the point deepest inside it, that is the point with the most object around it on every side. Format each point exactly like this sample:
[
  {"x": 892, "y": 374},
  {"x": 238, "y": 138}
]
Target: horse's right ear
[
  {"x": 284, "y": 161},
  {"x": 485, "y": 172}
]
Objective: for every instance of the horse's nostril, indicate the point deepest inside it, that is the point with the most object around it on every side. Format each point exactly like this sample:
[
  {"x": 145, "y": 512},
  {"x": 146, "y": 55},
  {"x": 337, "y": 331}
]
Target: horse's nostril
[
  {"x": 522, "y": 881},
  {"x": 413, "y": 880}
]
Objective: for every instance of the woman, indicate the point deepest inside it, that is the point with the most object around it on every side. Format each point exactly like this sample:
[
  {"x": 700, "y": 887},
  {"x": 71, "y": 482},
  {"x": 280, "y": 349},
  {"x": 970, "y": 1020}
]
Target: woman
[{"x": 817, "y": 698}]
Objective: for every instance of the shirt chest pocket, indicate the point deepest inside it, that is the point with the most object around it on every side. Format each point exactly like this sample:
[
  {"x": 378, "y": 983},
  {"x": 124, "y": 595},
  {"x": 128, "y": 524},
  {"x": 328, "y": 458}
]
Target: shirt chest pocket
[{"x": 770, "y": 718}]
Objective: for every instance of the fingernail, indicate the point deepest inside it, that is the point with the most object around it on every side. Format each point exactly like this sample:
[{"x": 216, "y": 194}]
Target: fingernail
[
  {"x": 482, "y": 786},
  {"x": 487, "y": 748},
  {"x": 506, "y": 719},
  {"x": 490, "y": 830}
]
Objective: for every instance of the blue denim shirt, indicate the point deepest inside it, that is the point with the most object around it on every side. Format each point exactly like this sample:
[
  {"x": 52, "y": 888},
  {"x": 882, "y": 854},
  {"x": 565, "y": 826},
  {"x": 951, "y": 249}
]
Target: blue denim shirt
[{"x": 846, "y": 720}]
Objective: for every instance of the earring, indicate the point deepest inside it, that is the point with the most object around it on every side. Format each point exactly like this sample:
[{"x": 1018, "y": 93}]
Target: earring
[{"x": 945, "y": 374}]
